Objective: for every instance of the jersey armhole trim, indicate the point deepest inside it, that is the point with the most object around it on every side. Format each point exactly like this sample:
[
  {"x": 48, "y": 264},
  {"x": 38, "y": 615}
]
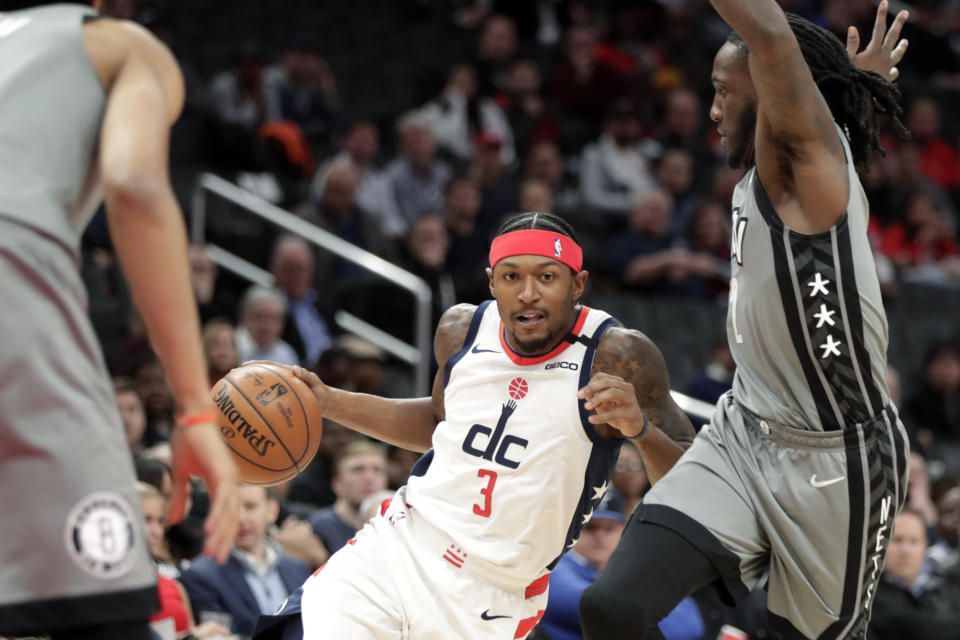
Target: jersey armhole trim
[
  {"x": 773, "y": 220},
  {"x": 468, "y": 340},
  {"x": 586, "y": 370}
]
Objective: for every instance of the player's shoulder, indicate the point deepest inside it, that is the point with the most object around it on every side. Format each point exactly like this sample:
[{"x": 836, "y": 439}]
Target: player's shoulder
[
  {"x": 624, "y": 352},
  {"x": 452, "y": 330}
]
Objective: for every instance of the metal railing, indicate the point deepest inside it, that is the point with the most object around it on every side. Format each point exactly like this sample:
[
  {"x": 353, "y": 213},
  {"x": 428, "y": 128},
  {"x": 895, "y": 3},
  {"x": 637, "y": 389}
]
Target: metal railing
[{"x": 418, "y": 354}]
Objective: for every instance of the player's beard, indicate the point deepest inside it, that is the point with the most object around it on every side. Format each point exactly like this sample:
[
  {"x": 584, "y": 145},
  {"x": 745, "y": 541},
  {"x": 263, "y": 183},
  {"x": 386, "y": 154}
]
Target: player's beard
[{"x": 741, "y": 150}]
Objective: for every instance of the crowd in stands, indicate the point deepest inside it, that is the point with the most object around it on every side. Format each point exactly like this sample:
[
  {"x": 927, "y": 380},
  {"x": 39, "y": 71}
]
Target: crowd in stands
[{"x": 410, "y": 129}]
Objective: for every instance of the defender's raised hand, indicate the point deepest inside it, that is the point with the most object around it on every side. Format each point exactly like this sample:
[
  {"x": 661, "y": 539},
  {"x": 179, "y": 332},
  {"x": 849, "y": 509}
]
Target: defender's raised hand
[{"x": 884, "y": 51}]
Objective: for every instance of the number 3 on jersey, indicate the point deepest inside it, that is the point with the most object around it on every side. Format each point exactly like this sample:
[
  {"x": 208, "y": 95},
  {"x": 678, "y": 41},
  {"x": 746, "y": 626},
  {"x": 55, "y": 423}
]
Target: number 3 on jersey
[{"x": 486, "y": 492}]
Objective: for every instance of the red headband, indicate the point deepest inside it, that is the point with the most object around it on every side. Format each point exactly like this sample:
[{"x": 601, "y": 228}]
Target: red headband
[{"x": 537, "y": 242}]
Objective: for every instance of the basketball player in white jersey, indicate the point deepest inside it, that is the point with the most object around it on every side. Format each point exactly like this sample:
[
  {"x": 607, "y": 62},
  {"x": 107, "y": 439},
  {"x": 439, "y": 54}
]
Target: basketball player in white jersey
[
  {"x": 534, "y": 396},
  {"x": 86, "y": 106},
  {"x": 803, "y": 467}
]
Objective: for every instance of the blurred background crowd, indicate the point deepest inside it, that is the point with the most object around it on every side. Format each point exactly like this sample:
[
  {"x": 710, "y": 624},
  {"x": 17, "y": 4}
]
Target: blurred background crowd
[{"x": 410, "y": 128}]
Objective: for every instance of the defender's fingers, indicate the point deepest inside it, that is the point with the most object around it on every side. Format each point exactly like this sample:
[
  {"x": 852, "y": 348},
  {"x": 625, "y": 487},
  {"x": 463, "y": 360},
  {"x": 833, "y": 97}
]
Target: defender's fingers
[
  {"x": 178, "y": 499},
  {"x": 853, "y": 42},
  {"x": 612, "y": 395},
  {"x": 221, "y": 523},
  {"x": 897, "y": 54},
  {"x": 879, "y": 24},
  {"x": 894, "y": 33},
  {"x": 610, "y": 417}
]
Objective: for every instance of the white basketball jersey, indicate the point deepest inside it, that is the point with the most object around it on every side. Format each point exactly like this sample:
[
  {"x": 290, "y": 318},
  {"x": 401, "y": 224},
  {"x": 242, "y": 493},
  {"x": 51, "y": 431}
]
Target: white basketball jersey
[{"x": 516, "y": 469}]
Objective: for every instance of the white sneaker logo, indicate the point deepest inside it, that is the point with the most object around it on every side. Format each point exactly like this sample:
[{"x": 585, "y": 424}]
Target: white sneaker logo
[{"x": 826, "y": 483}]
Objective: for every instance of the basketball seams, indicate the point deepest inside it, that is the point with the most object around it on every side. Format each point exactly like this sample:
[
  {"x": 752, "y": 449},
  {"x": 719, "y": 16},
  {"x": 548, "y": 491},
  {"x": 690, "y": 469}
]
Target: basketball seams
[
  {"x": 303, "y": 411},
  {"x": 265, "y": 422}
]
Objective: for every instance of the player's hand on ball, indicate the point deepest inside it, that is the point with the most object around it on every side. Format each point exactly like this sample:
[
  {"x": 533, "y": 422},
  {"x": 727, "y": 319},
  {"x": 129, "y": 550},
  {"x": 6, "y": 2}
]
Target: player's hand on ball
[
  {"x": 199, "y": 451},
  {"x": 312, "y": 380},
  {"x": 615, "y": 403},
  {"x": 883, "y": 52}
]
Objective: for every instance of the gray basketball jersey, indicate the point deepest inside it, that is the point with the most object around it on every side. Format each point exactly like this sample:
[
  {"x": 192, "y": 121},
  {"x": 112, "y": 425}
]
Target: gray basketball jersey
[
  {"x": 805, "y": 324},
  {"x": 51, "y": 108}
]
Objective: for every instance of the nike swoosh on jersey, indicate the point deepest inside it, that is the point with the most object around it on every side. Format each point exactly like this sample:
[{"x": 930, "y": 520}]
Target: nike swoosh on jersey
[
  {"x": 825, "y": 483},
  {"x": 486, "y": 616},
  {"x": 477, "y": 349}
]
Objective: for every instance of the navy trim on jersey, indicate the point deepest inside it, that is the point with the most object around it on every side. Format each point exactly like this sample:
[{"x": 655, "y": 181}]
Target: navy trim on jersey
[
  {"x": 783, "y": 627},
  {"x": 420, "y": 467},
  {"x": 40, "y": 617},
  {"x": 467, "y": 340},
  {"x": 586, "y": 371},
  {"x": 596, "y": 476}
]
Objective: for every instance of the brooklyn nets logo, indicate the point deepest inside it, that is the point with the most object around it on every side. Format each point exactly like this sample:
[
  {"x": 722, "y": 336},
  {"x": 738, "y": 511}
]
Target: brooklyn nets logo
[{"x": 100, "y": 534}]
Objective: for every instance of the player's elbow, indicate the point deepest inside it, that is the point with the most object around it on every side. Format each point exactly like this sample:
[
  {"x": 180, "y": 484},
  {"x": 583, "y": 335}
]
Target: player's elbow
[{"x": 131, "y": 192}]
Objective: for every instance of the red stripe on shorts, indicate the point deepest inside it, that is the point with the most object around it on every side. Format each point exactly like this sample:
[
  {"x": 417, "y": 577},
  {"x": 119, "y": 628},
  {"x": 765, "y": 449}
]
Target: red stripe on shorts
[{"x": 527, "y": 624}]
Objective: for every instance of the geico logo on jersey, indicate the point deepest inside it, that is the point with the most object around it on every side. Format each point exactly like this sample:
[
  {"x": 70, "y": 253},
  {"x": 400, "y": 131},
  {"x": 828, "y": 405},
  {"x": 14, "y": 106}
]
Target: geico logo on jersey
[
  {"x": 500, "y": 448},
  {"x": 572, "y": 366}
]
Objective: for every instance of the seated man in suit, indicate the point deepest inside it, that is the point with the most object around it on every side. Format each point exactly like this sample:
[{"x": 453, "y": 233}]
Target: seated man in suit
[{"x": 256, "y": 578}]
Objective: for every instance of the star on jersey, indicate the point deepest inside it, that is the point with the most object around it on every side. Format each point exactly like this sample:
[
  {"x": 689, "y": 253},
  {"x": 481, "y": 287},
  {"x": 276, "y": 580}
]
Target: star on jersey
[
  {"x": 587, "y": 516},
  {"x": 599, "y": 491},
  {"x": 818, "y": 285},
  {"x": 830, "y": 347},
  {"x": 824, "y": 317}
]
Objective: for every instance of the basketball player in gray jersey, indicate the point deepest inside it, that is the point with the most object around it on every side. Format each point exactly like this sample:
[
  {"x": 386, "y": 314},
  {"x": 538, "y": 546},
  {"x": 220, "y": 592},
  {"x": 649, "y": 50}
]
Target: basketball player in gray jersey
[
  {"x": 86, "y": 106},
  {"x": 803, "y": 467}
]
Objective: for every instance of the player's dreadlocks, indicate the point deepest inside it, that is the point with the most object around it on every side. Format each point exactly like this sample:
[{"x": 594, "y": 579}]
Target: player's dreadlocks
[
  {"x": 538, "y": 220},
  {"x": 854, "y": 96}
]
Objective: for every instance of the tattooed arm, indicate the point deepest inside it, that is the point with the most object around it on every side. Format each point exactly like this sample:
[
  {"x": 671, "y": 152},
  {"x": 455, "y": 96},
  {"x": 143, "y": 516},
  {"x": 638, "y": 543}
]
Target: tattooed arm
[
  {"x": 629, "y": 383},
  {"x": 406, "y": 423}
]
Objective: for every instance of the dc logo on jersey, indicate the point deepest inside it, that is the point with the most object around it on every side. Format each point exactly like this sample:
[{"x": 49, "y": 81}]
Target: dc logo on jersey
[
  {"x": 498, "y": 445},
  {"x": 557, "y": 249},
  {"x": 100, "y": 534}
]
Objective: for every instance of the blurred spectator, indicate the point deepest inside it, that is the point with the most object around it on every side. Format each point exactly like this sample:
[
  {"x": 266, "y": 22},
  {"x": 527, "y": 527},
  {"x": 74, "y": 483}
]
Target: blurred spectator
[
  {"x": 496, "y": 48},
  {"x": 458, "y": 114},
  {"x": 212, "y": 302},
  {"x": 939, "y": 159},
  {"x": 173, "y": 600},
  {"x": 946, "y": 521},
  {"x": 416, "y": 175},
  {"x": 109, "y": 301},
  {"x": 933, "y": 410},
  {"x": 339, "y": 214},
  {"x": 365, "y": 362},
  {"x": 306, "y": 328},
  {"x": 524, "y": 106},
  {"x": 673, "y": 170},
  {"x": 709, "y": 237},
  {"x": 925, "y": 239},
  {"x": 683, "y": 127},
  {"x": 498, "y": 189},
  {"x": 256, "y": 578},
  {"x": 263, "y": 312},
  {"x": 469, "y": 242},
  {"x": 579, "y": 567},
  {"x": 646, "y": 257},
  {"x": 360, "y": 145},
  {"x": 238, "y": 94},
  {"x": 716, "y": 378},
  {"x": 151, "y": 384},
  {"x": 919, "y": 492},
  {"x": 534, "y": 195},
  {"x": 582, "y": 87},
  {"x": 614, "y": 171},
  {"x": 359, "y": 472},
  {"x": 910, "y": 602},
  {"x": 302, "y": 89},
  {"x": 545, "y": 163},
  {"x": 313, "y": 485},
  {"x": 132, "y": 413},
  {"x": 156, "y": 473},
  {"x": 219, "y": 348},
  {"x": 629, "y": 477}
]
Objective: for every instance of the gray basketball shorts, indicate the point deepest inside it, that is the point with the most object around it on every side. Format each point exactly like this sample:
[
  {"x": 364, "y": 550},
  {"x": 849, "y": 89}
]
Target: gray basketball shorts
[
  {"x": 73, "y": 552},
  {"x": 815, "y": 509}
]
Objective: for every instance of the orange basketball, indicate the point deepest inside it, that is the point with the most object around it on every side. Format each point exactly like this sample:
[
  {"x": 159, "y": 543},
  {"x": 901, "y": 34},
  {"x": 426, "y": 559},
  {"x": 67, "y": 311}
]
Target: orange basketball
[{"x": 269, "y": 420}]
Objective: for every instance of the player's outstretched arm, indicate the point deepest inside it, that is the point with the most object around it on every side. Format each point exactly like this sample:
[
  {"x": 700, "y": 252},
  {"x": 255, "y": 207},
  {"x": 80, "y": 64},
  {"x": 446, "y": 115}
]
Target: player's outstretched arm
[
  {"x": 629, "y": 390},
  {"x": 145, "y": 92},
  {"x": 406, "y": 423},
  {"x": 885, "y": 50},
  {"x": 799, "y": 156}
]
